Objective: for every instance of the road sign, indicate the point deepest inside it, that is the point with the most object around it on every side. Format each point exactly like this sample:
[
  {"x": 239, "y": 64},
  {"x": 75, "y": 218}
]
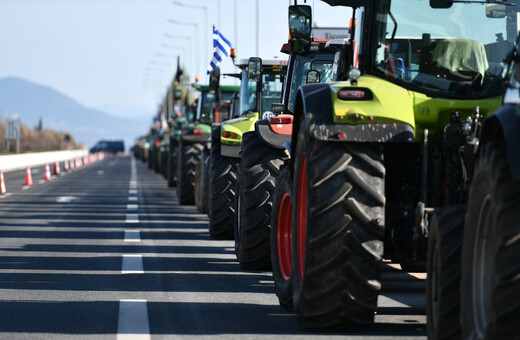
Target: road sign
[{"x": 12, "y": 129}]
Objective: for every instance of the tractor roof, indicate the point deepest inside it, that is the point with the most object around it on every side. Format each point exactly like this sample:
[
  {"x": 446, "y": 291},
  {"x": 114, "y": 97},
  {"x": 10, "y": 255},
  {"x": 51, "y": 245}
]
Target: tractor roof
[
  {"x": 265, "y": 62},
  {"x": 349, "y": 3}
]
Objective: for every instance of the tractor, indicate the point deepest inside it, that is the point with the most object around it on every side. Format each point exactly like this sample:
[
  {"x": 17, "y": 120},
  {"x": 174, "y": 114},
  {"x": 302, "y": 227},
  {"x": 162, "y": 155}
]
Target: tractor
[
  {"x": 375, "y": 154},
  {"x": 195, "y": 138},
  {"x": 263, "y": 152},
  {"x": 473, "y": 250},
  {"x": 261, "y": 84}
]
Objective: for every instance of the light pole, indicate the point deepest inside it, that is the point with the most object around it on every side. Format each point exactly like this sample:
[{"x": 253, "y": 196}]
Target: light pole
[
  {"x": 196, "y": 25},
  {"x": 205, "y": 9}
]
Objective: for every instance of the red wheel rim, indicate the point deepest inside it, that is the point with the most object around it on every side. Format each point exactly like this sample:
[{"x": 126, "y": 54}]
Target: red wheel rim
[
  {"x": 284, "y": 236},
  {"x": 302, "y": 216}
]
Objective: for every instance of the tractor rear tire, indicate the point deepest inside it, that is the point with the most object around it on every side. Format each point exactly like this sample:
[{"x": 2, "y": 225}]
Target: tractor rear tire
[
  {"x": 443, "y": 268},
  {"x": 259, "y": 167},
  {"x": 188, "y": 157},
  {"x": 490, "y": 282},
  {"x": 281, "y": 238},
  {"x": 172, "y": 164},
  {"x": 222, "y": 191},
  {"x": 339, "y": 231},
  {"x": 200, "y": 179}
]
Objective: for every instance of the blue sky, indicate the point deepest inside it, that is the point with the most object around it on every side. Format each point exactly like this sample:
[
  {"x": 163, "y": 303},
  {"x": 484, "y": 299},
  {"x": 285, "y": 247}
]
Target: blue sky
[{"x": 114, "y": 54}]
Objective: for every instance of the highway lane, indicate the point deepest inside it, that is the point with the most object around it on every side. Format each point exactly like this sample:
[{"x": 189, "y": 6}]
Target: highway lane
[{"x": 106, "y": 252}]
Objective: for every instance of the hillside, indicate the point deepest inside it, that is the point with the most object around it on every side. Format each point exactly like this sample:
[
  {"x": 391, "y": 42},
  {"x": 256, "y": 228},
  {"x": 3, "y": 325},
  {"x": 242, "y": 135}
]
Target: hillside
[{"x": 60, "y": 112}]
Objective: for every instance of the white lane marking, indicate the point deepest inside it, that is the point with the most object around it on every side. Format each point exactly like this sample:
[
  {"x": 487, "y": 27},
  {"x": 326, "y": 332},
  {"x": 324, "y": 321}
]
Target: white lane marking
[
  {"x": 132, "y": 191},
  {"x": 100, "y": 172},
  {"x": 26, "y": 187},
  {"x": 132, "y": 218},
  {"x": 131, "y": 206},
  {"x": 132, "y": 198},
  {"x": 133, "y": 183},
  {"x": 6, "y": 195},
  {"x": 65, "y": 199},
  {"x": 132, "y": 236},
  {"x": 41, "y": 181},
  {"x": 132, "y": 264},
  {"x": 133, "y": 320}
]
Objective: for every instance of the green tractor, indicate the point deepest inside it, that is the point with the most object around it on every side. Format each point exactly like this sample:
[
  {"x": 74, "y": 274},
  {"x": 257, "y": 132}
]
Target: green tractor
[
  {"x": 374, "y": 155},
  {"x": 473, "y": 250},
  {"x": 260, "y": 87},
  {"x": 264, "y": 151},
  {"x": 195, "y": 138}
]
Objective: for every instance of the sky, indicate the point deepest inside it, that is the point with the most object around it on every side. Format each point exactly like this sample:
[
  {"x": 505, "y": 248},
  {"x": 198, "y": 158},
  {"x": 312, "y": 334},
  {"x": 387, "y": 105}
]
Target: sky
[{"x": 119, "y": 55}]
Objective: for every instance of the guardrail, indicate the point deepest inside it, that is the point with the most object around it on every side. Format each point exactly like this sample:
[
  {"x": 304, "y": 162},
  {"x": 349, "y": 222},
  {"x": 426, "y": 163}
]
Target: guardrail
[{"x": 18, "y": 162}]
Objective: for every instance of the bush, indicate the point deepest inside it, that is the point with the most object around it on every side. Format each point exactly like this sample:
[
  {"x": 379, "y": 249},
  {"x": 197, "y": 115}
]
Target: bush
[{"x": 38, "y": 140}]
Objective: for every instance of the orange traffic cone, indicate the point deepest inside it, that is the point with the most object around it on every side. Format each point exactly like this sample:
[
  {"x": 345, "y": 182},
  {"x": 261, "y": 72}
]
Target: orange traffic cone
[
  {"x": 2, "y": 183},
  {"x": 56, "y": 168},
  {"x": 28, "y": 176},
  {"x": 47, "y": 175}
]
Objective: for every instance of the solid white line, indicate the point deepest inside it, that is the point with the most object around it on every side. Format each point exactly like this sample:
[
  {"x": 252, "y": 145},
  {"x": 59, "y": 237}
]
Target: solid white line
[
  {"x": 132, "y": 218},
  {"x": 132, "y": 236},
  {"x": 133, "y": 320},
  {"x": 131, "y": 206},
  {"x": 132, "y": 264}
]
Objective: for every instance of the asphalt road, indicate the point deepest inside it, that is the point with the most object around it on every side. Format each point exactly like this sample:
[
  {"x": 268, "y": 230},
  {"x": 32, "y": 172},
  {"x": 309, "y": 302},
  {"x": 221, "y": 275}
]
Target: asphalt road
[{"x": 106, "y": 252}]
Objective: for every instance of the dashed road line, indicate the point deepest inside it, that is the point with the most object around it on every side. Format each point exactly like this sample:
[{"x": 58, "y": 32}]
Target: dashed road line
[
  {"x": 131, "y": 206},
  {"x": 132, "y": 198},
  {"x": 132, "y": 218},
  {"x": 132, "y": 236},
  {"x": 132, "y": 264},
  {"x": 133, "y": 320}
]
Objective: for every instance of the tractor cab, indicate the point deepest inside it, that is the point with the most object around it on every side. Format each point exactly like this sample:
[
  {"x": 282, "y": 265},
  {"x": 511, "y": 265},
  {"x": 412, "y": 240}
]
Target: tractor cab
[{"x": 261, "y": 86}]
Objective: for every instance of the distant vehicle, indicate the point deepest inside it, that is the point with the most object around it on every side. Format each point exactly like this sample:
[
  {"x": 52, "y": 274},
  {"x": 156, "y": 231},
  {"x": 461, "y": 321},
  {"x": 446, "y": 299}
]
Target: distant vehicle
[{"x": 112, "y": 146}]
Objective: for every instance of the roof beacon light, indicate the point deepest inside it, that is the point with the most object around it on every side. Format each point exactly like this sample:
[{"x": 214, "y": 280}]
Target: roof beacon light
[{"x": 354, "y": 74}]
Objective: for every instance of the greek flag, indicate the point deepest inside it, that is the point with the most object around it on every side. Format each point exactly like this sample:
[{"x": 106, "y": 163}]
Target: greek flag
[{"x": 221, "y": 48}]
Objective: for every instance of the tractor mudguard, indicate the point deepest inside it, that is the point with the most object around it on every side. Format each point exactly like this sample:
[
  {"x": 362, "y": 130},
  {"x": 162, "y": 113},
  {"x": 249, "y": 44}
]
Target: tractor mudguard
[
  {"x": 270, "y": 138},
  {"x": 202, "y": 138},
  {"x": 505, "y": 122},
  {"x": 318, "y": 111}
]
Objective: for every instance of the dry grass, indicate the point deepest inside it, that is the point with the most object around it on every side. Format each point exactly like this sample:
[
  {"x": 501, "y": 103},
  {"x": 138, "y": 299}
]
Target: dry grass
[{"x": 38, "y": 140}]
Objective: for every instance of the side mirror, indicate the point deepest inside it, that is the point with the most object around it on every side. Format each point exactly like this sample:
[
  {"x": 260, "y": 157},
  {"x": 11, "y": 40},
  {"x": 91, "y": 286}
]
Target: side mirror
[
  {"x": 300, "y": 24},
  {"x": 496, "y": 11},
  {"x": 441, "y": 3},
  {"x": 313, "y": 77},
  {"x": 277, "y": 108},
  {"x": 300, "y": 21},
  {"x": 254, "y": 69}
]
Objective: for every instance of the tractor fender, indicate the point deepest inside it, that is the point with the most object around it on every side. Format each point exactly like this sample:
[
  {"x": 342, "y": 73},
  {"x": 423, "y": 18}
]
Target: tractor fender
[
  {"x": 269, "y": 137},
  {"x": 505, "y": 123},
  {"x": 317, "y": 108}
]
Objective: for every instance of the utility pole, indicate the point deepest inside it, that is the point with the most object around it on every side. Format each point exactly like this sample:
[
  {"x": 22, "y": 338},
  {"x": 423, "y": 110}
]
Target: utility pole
[{"x": 257, "y": 28}]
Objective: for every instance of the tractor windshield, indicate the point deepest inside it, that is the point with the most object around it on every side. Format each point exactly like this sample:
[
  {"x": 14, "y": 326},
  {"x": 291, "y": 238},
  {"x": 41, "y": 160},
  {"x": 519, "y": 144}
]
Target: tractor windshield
[
  {"x": 206, "y": 108},
  {"x": 302, "y": 64},
  {"x": 271, "y": 87},
  {"x": 447, "y": 52}
]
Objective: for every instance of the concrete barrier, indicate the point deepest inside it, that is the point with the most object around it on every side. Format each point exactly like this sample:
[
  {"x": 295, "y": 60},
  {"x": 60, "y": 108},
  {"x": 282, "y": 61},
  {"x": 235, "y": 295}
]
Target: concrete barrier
[{"x": 17, "y": 162}]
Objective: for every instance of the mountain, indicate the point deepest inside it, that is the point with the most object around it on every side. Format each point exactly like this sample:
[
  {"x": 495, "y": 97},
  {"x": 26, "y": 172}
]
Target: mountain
[{"x": 60, "y": 112}]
